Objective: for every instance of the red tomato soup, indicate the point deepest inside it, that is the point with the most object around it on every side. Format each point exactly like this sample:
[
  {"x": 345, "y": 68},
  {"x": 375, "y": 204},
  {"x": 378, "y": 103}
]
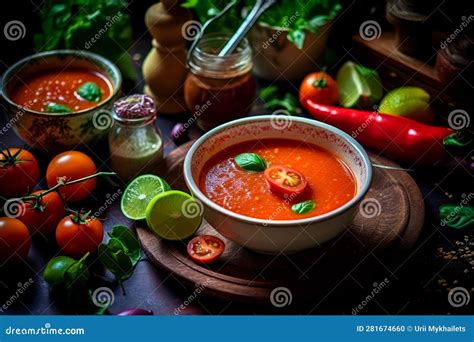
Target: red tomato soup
[
  {"x": 58, "y": 86},
  {"x": 329, "y": 182}
]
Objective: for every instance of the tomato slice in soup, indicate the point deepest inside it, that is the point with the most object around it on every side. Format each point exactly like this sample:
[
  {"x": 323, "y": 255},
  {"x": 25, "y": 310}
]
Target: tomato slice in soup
[{"x": 285, "y": 180}]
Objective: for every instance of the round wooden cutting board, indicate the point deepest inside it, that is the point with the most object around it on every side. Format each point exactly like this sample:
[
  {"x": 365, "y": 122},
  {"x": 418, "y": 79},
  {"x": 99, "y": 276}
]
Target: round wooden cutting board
[{"x": 392, "y": 217}]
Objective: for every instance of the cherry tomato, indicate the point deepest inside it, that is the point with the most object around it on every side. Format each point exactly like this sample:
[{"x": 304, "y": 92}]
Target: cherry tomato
[
  {"x": 19, "y": 172},
  {"x": 77, "y": 235},
  {"x": 72, "y": 165},
  {"x": 15, "y": 241},
  {"x": 285, "y": 180},
  {"x": 205, "y": 249},
  {"x": 45, "y": 216},
  {"x": 319, "y": 87}
]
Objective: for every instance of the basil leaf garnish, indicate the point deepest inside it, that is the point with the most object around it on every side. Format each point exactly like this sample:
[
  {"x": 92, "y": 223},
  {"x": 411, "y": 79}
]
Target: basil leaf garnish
[
  {"x": 456, "y": 216},
  {"x": 90, "y": 91},
  {"x": 57, "y": 108},
  {"x": 303, "y": 207},
  {"x": 251, "y": 162}
]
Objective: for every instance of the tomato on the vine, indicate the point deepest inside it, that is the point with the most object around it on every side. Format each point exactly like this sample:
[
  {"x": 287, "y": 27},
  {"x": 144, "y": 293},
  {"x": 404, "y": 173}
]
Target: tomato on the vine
[
  {"x": 69, "y": 166},
  {"x": 320, "y": 88},
  {"x": 78, "y": 234},
  {"x": 15, "y": 241},
  {"x": 44, "y": 215},
  {"x": 205, "y": 249},
  {"x": 285, "y": 180},
  {"x": 19, "y": 172}
]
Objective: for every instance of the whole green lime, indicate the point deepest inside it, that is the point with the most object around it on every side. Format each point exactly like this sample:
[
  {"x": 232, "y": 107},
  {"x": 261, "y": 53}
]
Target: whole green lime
[{"x": 410, "y": 102}]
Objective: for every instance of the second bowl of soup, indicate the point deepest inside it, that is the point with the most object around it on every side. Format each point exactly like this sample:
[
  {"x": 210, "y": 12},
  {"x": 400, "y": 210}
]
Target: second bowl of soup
[
  {"x": 60, "y": 99},
  {"x": 278, "y": 188}
]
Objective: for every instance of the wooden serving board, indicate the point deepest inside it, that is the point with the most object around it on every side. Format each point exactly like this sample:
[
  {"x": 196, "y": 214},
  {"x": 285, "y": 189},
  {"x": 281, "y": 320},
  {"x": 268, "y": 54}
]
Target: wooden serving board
[{"x": 243, "y": 275}]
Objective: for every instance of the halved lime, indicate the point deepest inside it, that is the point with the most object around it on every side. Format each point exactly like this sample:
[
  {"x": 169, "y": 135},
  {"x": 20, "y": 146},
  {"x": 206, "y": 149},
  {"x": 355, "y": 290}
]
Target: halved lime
[
  {"x": 174, "y": 215},
  {"x": 139, "y": 193},
  {"x": 358, "y": 85}
]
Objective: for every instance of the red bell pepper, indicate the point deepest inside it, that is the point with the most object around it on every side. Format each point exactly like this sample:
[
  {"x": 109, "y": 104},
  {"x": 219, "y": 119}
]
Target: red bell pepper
[{"x": 399, "y": 138}]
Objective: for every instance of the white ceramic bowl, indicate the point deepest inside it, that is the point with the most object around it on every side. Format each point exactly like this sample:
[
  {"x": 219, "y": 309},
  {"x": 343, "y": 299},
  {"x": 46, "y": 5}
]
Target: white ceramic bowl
[{"x": 271, "y": 236}]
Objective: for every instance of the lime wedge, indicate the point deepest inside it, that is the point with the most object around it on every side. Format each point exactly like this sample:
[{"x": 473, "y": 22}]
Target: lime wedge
[
  {"x": 411, "y": 102},
  {"x": 139, "y": 193},
  {"x": 358, "y": 85},
  {"x": 174, "y": 215}
]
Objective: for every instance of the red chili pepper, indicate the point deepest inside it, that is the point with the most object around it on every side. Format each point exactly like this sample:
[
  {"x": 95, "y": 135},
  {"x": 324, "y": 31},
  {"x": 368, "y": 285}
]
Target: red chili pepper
[{"x": 399, "y": 138}]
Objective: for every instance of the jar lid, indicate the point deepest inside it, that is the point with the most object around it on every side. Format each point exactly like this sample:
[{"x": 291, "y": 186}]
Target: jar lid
[{"x": 134, "y": 108}]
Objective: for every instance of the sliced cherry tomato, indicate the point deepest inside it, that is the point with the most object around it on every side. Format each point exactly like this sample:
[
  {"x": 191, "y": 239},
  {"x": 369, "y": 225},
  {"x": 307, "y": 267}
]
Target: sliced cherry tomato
[
  {"x": 205, "y": 249},
  {"x": 72, "y": 165},
  {"x": 19, "y": 172},
  {"x": 15, "y": 241},
  {"x": 76, "y": 235},
  {"x": 319, "y": 87},
  {"x": 45, "y": 216},
  {"x": 285, "y": 180}
]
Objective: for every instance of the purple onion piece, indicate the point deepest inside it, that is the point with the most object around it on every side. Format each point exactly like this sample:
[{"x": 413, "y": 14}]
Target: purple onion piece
[
  {"x": 134, "y": 107},
  {"x": 136, "y": 312},
  {"x": 179, "y": 134}
]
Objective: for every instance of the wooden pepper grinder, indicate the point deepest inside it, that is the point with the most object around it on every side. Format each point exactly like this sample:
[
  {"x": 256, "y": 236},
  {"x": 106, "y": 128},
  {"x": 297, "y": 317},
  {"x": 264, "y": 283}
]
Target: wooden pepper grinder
[{"x": 164, "y": 69}]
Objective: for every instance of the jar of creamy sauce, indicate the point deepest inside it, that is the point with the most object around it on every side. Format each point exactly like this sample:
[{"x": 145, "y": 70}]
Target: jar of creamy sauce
[
  {"x": 219, "y": 89},
  {"x": 135, "y": 143}
]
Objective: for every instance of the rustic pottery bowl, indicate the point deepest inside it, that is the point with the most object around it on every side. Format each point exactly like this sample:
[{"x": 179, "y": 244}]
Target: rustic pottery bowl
[
  {"x": 56, "y": 132},
  {"x": 275, "y": 57},
  {"x": 271, "y": 236}
]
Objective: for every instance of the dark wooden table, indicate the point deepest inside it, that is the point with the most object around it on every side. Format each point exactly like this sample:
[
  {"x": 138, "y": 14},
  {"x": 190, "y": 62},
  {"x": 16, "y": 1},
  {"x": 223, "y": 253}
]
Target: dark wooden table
[{"x": 416, "y": 284}]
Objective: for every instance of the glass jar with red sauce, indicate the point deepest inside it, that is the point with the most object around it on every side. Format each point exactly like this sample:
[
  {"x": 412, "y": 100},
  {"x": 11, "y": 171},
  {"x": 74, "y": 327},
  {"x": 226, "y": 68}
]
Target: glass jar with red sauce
[{"x": 219, "y": 89}]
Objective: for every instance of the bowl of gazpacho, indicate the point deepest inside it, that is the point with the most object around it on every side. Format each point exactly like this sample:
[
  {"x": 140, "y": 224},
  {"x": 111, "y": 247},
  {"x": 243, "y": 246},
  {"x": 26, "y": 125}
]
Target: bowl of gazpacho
[
  {"x": 277, "y": 184},
  {"x": 59, "y": 99}
]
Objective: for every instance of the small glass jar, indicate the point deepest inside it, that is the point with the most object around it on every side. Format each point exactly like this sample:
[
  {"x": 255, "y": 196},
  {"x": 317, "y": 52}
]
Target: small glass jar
[
  {"x": 219, "y": 89},
  {"x": 135, "y": 143}
]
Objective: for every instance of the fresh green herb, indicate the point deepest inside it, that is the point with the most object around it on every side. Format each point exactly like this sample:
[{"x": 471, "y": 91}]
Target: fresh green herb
[
  {"x": 90, "y": 91},
  {"x": 57, "y": 108},
  {"x": 121, "y": 253},
  {"x": 303, "y": 207},
  {"x": 274, "y": 100},
  {"x": 456, "y": 216},
  {"x": 251, "y": 162},
  {"x": 101, "y": 26},
  {"x": 285, "y": 14}
]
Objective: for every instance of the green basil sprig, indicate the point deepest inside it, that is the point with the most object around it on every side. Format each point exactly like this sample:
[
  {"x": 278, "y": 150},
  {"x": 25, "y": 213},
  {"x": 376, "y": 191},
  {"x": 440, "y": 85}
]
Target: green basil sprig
[
  {"x": 90, "y": 91},
  {"x": 121, "y": 253},
  {"x": 57, "y": 108},
  {"x": 456, "y": 216},
  {"x": 303, "y": 207},
  {"x": 251, "y": 162}
]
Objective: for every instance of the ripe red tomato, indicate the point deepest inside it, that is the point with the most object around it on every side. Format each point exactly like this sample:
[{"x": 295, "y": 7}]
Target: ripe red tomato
[
  {"x": 19, "y": 172},
  {"x": 319, "y": 87},
  {"x": 15, "y": 241},
  {"x": 76, "y": 235},
  {"x": 285, "y": 180},
  {"x": 44, "y": 218},
  {"x": 205, "y": 249},
  {"x": 72, "y": 165}
]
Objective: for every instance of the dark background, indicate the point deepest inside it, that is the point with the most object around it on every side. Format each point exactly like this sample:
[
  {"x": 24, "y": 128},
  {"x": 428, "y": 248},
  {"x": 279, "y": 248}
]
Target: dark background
[{"x": 414, "y": 288}]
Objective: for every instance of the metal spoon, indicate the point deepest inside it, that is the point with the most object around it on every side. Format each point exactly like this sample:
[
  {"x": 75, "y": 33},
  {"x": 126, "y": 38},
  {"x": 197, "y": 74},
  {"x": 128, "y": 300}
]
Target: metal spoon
[{"x": 257, "y": 10}]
